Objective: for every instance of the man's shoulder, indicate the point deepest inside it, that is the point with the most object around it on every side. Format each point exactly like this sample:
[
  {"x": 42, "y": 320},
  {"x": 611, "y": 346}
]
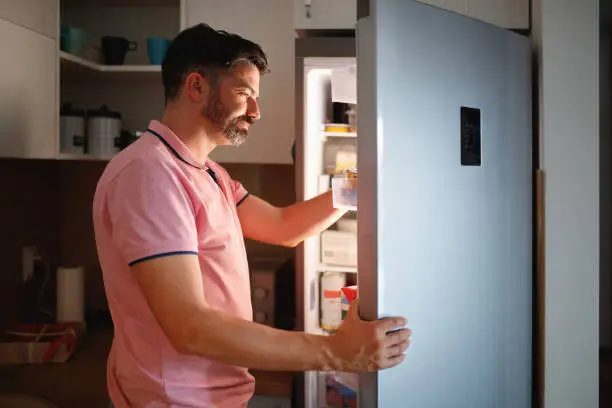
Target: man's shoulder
[
  {"x": 141, "y": 169},
  {"x": 145, "y": 156}
]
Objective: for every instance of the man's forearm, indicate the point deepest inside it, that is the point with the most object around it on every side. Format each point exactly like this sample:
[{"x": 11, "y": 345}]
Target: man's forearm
[
  {"x": 218, "y": 336},
  {"x": 307, "y": 218}
]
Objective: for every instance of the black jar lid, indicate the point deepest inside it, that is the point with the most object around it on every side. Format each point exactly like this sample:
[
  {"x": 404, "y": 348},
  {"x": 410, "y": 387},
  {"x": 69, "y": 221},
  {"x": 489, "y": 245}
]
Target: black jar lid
[
  {"x": 103, "y": 112},
  {"x": 68, "y": 110}
]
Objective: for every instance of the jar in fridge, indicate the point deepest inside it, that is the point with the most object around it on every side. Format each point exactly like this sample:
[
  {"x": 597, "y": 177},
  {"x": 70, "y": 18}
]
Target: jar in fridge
[
  {"x": 331, "y": 284},
  {"x": 339, "y": 155},
  {"x": 72, "y": 129},
  {"x": 103, "y": 131}
]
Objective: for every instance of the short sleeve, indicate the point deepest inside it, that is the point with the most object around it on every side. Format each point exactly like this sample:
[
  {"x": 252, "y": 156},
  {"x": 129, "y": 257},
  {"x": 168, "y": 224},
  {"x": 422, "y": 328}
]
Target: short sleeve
[
  {"x": 151, "y": 213},
  {"x": 240, "y": 193}
]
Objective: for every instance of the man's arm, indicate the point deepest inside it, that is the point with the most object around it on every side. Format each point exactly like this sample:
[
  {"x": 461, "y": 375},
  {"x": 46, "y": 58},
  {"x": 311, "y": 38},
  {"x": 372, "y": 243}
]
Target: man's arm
[
  {"x": 287, "y": 226},
  {"x": 173, "y": 288}
]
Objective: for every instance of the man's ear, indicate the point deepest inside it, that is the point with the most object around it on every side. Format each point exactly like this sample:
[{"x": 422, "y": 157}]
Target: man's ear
[{"x": 197, "y": 87}]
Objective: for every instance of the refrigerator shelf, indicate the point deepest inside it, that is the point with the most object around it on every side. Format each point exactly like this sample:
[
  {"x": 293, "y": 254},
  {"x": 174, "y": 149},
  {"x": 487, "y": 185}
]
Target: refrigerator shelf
[
  {"x": 339, "y": 134},
  {"x": 317, "y": 330},
  {"x": 336, "y": 268}
]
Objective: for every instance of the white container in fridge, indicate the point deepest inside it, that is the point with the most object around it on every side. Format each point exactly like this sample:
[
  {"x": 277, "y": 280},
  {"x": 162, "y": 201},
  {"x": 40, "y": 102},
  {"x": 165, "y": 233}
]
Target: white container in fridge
[
  {"x": 339, "y": 248},
  {"x": 344, "y": 191}
]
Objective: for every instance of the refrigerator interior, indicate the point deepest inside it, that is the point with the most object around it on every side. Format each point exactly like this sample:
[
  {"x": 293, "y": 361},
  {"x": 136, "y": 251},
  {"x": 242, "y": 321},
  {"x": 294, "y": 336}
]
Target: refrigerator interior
[{"x": 329, "y": 146}]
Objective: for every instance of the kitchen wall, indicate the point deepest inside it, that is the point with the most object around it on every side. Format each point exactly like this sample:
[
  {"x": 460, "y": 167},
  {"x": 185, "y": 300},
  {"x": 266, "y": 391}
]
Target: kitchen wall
[
  {"x": 48, "y": 203},
  {"x": 566, "y": 34},
  {"x": 29, "y": 201}
]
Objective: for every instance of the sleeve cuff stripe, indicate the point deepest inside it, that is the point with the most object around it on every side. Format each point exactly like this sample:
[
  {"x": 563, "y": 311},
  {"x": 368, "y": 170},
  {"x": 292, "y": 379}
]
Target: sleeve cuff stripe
[
  {"x": 146, "y": 258},
  {"x": 243, "y": 198}
]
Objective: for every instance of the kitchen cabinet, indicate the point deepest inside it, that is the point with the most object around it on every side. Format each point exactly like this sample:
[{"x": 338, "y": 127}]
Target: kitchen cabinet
[
  {"x": 271, "y": 138},
  {"x": 37, "y": 15},
  {"x": 342, "y": 14},
  {"x": 28, "y": 84},
  {"x": 134, "y": 88},
  {"x": 325, "y": 14},
  {"x": 512, "y": 14}
]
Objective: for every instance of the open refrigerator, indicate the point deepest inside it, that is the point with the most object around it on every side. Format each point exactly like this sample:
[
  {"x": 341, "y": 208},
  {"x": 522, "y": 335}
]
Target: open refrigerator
[
  {"x": 326, "y": 147},
  {"x": 434, "y": 109}
]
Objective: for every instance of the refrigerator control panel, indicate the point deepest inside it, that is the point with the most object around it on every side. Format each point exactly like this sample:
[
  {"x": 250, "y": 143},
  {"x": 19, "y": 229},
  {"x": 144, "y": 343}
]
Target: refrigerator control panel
[{"x": 470, "y": 137}]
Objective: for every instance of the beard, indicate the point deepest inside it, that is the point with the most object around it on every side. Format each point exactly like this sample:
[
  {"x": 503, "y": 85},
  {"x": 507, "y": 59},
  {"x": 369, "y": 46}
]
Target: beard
[{"x": 220, "y": 117}]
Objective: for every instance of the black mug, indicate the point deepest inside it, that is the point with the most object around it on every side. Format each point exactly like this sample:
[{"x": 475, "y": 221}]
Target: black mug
[{"x": 116, "y": 48}]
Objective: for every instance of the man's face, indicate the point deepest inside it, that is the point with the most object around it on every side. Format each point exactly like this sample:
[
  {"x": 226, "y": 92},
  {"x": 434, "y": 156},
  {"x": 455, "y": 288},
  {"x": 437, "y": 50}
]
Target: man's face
[{"x": 232, "y": 104}]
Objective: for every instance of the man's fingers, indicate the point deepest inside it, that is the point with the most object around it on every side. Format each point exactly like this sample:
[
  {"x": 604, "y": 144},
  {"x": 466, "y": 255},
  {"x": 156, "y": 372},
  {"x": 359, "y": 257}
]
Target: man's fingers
[
  {"x": 390, "y": 323},
  {"x": 396, "y": 349},
  {"x": 393, "y": 361},
  {"x": 397, "y": 337}
]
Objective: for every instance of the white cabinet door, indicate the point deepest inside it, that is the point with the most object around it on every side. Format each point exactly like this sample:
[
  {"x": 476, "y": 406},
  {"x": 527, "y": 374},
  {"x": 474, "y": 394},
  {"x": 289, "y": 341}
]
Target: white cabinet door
[
  {"x": 270, "y": 139},
  {"x": 512, "y": 14},
  {"x": 38, "y": 15},
  {"x": 325, "y": 14},
  {"x": 28, "y": 84}
]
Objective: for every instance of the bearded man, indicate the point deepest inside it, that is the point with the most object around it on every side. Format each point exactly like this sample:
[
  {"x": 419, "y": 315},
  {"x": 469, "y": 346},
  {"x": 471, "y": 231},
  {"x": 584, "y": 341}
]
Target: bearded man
[{"x": 170, "y": 226}]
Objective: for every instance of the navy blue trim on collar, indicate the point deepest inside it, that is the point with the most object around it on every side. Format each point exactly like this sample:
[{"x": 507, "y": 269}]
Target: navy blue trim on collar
[
  {"x": 165, "y": 142},
  {"x": 212, "y": 174},
  {"x": 178, "y": 156}
]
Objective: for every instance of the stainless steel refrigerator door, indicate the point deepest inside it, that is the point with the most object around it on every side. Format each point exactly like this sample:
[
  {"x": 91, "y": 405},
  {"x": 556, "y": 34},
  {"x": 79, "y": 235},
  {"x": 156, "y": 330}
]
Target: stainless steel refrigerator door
[{"x": 445, "y": 205}]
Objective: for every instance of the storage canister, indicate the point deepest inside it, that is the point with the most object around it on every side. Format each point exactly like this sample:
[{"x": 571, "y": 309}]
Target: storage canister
[
  {"x": 72, "y": 129},
  {"x": 103, "y": 131}
]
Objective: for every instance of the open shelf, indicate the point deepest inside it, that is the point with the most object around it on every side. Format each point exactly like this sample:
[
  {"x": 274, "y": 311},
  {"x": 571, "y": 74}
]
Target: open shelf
[
  {"x": 335, "y": 268},
  {"x": 339, "y": 134},
  {"x": 72, "y": 63},
  {"x": 74, "y": 67}
]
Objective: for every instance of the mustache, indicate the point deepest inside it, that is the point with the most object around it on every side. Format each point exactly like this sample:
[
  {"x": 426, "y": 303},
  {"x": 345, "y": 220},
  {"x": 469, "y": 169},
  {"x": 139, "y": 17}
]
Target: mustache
[{"x": 245, "y": 118}]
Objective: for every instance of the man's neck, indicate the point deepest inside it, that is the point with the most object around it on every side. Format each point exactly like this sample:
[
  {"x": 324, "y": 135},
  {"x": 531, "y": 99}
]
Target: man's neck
[{"x": 191, "y": 133}]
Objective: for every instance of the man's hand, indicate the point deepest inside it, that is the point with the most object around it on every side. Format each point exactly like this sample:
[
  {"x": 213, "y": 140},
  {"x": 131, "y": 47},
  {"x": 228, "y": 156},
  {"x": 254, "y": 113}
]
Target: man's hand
[
  {"x": 173, "y": 289},
  {"x": 360, "y": 346}
]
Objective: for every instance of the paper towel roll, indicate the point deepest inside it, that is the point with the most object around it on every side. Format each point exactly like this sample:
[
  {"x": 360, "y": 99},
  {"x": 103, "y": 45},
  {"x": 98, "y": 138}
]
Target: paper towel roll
[{"x": 70, "y": 297}]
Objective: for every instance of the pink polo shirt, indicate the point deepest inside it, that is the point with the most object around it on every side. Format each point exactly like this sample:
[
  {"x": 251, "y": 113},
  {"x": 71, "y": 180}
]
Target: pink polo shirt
[{"x": 153, "y": 200}]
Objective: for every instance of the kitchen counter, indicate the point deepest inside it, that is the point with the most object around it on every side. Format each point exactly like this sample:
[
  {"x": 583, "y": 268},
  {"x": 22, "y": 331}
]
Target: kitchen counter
[{"x": 81, "y": 381}]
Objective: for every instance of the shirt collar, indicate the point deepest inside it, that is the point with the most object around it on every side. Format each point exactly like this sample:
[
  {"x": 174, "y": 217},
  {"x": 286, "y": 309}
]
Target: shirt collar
[{"x": 174, "y": 144}]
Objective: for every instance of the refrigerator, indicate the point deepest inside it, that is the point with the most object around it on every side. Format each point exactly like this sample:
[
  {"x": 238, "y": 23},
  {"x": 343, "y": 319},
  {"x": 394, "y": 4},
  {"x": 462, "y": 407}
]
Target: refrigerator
[{"x": 443, "y": 142}]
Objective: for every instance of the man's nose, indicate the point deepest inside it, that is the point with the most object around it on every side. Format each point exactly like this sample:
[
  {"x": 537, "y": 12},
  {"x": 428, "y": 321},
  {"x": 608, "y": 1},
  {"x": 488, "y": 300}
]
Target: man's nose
[{"x": 253, "y": 109}]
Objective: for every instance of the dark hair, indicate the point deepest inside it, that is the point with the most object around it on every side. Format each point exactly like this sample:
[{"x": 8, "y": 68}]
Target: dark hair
[{"x": 208, "y": 51}]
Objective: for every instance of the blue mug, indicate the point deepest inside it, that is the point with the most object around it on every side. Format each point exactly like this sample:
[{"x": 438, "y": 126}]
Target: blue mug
[
  {"x": 73, "y": 40},
  {"x": 156, "y": 49}
]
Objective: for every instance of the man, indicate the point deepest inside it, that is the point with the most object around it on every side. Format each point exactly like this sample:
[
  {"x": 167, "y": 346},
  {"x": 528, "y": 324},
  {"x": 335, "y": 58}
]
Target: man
[{"x": 169, "y": 226}]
